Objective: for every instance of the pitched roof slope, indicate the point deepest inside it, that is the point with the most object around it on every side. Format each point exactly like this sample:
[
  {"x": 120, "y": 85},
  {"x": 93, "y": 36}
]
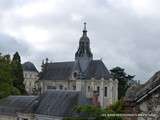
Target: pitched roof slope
[
  {"x": 138, "y": 93},
  {"x": 97, "y": 70},
  {"x": 57, "y": 71},
  {"x": 28, "y": 66},
  {"x": 60, "y": 103},
  {"x": 13, "y": 104},
  {"x": 64, "y": 70},
  {"x": 51, "y": 103}
]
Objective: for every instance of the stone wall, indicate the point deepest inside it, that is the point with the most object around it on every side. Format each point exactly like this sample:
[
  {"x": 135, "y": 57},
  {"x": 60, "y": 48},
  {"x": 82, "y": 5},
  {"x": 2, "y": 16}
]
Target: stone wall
[
  {"x": 87, "y": 87},
  {"x": 151, "y": 106},
  {"x": 30, "y": 79},
  {"x": 7, "y": 117},
  {"x": 147, "y": 109}
]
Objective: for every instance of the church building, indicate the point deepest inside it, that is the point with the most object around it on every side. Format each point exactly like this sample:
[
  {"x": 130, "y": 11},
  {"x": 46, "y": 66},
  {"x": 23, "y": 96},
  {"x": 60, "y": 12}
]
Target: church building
[
  {"x": 62, "y": 87},
  {"x": 84, "y": 74}
]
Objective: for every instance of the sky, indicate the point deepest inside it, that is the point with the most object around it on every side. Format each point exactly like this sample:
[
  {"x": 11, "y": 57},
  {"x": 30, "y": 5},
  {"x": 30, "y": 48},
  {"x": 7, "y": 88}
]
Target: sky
[{"x": 123, "y": 33}]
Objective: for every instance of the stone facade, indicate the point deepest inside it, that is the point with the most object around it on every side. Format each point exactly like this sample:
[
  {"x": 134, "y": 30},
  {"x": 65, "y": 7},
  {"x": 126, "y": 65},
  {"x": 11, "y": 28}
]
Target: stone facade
[
  {"x": 151, "y": 107},
  {"x": 30, "y": 79},
  {"x": 30, "y": 75},
  {"x": 87, "y": 87},
  {"x": 144, "y": 100}
]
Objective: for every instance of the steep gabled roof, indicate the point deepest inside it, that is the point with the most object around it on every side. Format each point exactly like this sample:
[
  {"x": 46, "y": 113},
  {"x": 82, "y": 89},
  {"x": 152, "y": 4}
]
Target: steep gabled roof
[
  {"x": 63, "y": 70},
  {"x": 97, "y": 70},
  {"x": 57, "y": 71}
]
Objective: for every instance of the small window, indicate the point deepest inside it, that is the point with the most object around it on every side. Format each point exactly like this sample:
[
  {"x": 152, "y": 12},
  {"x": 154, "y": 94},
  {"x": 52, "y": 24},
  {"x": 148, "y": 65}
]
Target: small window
[
  {"x": 74, "y": 87},
  {"x": 75, "y": 74},
  {"x": 105, "y": 91},
  {"x": 89, "y": 88},
  {"x": 51, "y": 87},
  {"x": 22, "y": 118},
  {"x": 98, "y": 89},
  {"x": 61, "y": 87}
]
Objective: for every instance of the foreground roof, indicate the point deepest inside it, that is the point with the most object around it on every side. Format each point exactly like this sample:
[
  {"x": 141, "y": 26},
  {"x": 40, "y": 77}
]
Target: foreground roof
[
  {"x": 64, "y": 70},
  {"x": 52, "y": 103},
  {"x": 13, "y": 104},
  {"x": 60, "y": 103},
  {"x": 140, "y": 92}
]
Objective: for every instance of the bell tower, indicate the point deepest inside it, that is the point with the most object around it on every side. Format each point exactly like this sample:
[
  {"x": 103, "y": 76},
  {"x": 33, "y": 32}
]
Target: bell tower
[{"x": 84, "y": 55}]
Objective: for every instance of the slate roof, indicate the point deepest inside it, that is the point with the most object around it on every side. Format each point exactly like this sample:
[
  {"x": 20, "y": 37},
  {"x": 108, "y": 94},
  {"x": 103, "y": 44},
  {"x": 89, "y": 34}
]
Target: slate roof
[
  {"x": 64, "y": 70},
  {"x": 138, "y": 93},
  {"x": 97, "y": 70},
  {"x": 28, "y": 66},
  {"x": 51, "y": 103},
  {"x": 13, "y": 104},
  {"x": 60, "y": 103}
]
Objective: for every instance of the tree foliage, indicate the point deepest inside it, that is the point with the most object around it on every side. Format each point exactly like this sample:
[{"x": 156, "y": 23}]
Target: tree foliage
[
  {"x": 123, "y": 80},
  {"x": 17, "y": 72},
  {"x": 91, "y": 112},
  {"x": 7, "y": 76}
]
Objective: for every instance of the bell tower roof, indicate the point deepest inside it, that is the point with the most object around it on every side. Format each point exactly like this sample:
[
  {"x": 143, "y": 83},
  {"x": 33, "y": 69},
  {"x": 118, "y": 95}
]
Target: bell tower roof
[
  {"x": 85, "y": 28},
  {"x": 84, "y": 45}
]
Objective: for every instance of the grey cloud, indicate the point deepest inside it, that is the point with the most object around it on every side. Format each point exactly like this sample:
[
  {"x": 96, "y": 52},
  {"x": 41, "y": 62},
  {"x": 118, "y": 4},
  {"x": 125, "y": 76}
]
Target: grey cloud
[
  {"x": 118, "y": 35},
  {"x": 9, "y": 45}
]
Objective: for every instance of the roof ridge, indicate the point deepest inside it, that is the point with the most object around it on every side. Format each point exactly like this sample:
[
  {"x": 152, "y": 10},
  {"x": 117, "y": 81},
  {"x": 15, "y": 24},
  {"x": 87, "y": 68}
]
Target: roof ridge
[{"x": 61, "y": 62}]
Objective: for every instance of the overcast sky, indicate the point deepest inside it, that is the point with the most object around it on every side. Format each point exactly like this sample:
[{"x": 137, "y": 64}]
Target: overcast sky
[{"x": 123, "y": 33}]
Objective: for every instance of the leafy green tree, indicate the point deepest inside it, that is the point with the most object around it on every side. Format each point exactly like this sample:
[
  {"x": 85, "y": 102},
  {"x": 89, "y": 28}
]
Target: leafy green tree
[
  {"x": 123, "y": 79},
  {"x": 91, "y": 112},
  {"x": 6, "y": 77},
  {"x": 17, "y": 72}
]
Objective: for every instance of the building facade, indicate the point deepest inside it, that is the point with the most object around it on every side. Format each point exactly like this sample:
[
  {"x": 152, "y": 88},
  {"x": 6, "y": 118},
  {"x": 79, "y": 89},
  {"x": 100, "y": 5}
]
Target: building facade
[
  {"x": 30, "y": 74},
  {"x": 83, "y": 74},
  {"x": 144, "y": 99}
]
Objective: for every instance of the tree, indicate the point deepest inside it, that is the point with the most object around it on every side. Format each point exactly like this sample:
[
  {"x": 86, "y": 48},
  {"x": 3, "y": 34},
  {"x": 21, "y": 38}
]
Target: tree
[
  {"x": 123, "y": 80},
  {"x": 6, "y": 77},
  {"x": 91, "y": 112},
  {"x": 17, "y": 72}
]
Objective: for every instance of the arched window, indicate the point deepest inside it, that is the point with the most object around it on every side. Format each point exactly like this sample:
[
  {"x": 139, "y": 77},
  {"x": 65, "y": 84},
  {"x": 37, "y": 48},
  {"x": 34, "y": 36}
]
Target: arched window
[
  {"x": 75, "y": 74},
  {"x": 98, "y": 89},
  {"x": 74, "y": 87},
  {"x": 89, "y": 88},
  {"x": 105, "y": 91}
]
